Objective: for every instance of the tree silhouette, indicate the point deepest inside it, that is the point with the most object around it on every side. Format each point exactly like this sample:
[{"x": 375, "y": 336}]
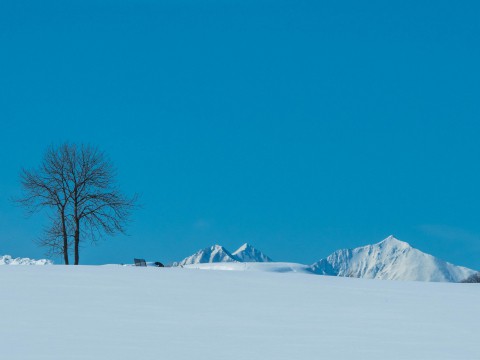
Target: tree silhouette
[{"x": 78, "y": 185}]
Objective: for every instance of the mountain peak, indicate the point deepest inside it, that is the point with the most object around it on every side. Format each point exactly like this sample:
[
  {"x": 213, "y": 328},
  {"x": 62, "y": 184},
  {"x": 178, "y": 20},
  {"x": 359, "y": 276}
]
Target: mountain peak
[
  {"x": 215, "y": 253},
  {"x": 390, "y": 259},
  {"x": 394, "y": 242},
  {"x": 244, "y": 247},
  {"x": 247, "y": 253}
]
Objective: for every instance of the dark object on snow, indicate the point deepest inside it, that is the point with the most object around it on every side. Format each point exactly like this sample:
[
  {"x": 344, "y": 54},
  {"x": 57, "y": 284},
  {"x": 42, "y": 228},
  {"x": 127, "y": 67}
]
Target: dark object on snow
[
  {"x": 139, "y": 262},
  {"x": 158, "y": 264},
  {"x": 475, "y": 278}
]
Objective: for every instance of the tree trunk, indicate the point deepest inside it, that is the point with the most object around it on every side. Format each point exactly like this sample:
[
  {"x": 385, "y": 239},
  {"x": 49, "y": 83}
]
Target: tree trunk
[
  {"x": 65, "y": 238},
  {"x": 77, "y": 223},
  {"x": 77, "y": 241}
]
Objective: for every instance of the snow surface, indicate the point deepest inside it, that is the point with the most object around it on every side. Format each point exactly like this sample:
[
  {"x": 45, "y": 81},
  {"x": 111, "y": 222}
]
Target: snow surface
[
  {"x": 247, "y": 253},
  {"x": 278, "y": 267},
  {"x": 8, "y": 260},
  {"x": 390, "y": 259},
  {"x": 119, "y": 312}
]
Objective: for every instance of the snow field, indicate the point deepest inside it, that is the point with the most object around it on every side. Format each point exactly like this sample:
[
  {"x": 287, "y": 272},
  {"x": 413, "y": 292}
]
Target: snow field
[{"x": 115, "y": 312}]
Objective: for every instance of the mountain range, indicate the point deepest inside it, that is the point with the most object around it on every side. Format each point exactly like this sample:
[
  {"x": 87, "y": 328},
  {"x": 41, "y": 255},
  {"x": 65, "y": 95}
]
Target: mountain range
[{"x": 390, "y": 259}]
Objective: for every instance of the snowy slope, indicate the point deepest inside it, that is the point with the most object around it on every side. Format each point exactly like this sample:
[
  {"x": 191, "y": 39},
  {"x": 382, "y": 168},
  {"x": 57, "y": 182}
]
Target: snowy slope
[
  {"x": 390, "y": 259},
  {"x": 215, "y": 253},
  {"x": 278, "y": 267},
  {"x": 247, "y": 253},
  {"x": 118, "y": 312},
  {"x": 8, "y": 260}
]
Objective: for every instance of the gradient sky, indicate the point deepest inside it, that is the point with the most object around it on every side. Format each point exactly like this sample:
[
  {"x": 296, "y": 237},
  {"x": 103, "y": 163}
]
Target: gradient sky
[{"x": 298, "y": 126}]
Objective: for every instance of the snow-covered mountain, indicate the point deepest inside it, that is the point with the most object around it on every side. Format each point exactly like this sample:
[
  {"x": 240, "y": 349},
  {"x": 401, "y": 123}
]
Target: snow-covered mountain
[
  {"x": 390, "y": 259},
  {"x": 215, "y": 253},
  {"x": 247, "y": 253},
  {"x": 218, "y": 254},
  {"x": 8, "y": 260}
]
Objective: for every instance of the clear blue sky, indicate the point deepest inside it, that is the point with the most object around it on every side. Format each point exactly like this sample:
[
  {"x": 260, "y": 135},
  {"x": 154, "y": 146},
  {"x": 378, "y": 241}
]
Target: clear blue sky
[{"x": 299, "y": 126}]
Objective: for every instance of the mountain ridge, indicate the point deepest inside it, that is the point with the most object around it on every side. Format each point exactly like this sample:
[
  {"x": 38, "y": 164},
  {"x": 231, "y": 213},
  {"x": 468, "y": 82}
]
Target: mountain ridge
[
  {"x": 219, "y": 254},
  {"x": 212, "y": 254},
  {"x": 248, "y": 253}
]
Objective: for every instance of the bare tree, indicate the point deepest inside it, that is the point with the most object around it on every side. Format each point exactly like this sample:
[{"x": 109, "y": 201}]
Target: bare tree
[{"x": 78, "y": 183}]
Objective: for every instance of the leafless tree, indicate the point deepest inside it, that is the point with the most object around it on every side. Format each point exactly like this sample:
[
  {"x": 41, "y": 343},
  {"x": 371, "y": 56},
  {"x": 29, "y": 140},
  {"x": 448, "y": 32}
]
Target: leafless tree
[{"x": 78, "y": 183}]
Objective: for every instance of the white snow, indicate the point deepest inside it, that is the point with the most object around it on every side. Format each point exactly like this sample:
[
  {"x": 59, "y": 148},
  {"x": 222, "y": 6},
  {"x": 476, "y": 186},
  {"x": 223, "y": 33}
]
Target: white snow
[
  {"x": 120, "y": 312},
  {"x": 8, "y": 260},
  {"x": 278, "y": 267},
  {"x": 247, "y": 253},
  {"x": 390, "y": 259}
]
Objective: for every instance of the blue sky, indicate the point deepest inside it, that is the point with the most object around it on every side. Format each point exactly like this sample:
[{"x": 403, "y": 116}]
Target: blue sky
[{"x": 299, "y": 126}]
